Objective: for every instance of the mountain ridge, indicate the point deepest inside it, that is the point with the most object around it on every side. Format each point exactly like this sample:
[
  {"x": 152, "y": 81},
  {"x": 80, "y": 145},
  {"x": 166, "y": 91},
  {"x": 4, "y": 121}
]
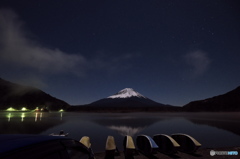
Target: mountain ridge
[
  {"x": 18, "y": 96},
  {"x": 125, "y": 100},
  {"x": 128, "y": 97},
  {"x": 229, "y": 101}
]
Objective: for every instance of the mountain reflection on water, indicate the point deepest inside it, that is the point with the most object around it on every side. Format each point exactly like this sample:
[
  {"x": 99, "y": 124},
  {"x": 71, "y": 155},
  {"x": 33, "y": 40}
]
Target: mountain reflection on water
[
  {"x": 126, "y": 130},
  {"x": 127, "y": 125},
  {"x": 210, "y": 129}
]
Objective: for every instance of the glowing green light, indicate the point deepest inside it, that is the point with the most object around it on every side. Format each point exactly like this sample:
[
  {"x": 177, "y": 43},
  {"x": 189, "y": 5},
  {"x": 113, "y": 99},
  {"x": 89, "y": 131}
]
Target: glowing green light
[
  {"x": 11, "y": 109},
  {"x": 24, "y": 109},
  {"x": 61, "y": 110}
]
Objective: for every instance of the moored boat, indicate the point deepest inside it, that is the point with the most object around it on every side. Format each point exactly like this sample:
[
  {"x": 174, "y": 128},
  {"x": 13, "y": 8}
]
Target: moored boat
[
  {"x": 146, "y": 145},
  {"x": 129, "y": 147},
  {"x": 187, "y": 143},
  {"x": 85, "y": 140},
  {"x": 166, "y": 143},
  {"x": 41, "y": 146},
  {"x": 111, "y": 148}
]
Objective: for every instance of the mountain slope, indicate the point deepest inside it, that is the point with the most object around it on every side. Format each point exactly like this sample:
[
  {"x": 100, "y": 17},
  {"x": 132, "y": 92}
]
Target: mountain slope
[
  {"x": 126, "y": 93},
  {"x": 125, "y": 100},
  {"x": 226, "y": 102},
  {"x": 18, "y": 96},
  {"x": 126, "y": 97}
]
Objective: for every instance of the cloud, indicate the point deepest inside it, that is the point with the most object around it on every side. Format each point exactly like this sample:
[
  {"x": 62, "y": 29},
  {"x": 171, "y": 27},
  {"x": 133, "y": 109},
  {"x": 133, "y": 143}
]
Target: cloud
[
  {"x": 26, "y": 61},
  {"x": 18, "y": 49},
  {"x": 199, "y": 62}
]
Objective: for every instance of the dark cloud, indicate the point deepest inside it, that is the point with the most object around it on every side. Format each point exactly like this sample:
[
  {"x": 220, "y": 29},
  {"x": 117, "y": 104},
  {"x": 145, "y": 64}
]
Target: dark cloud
[
  {"x": 21, "y": 53},
  {"x": 18, "y": 49}
]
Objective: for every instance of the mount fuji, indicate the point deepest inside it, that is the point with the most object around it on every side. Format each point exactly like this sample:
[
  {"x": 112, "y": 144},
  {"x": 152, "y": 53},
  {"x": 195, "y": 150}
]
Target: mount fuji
[
  {"x": 126, "y": 97},
  {"x": 127, "y": 93},
  {"x": 125, "y": 100}
]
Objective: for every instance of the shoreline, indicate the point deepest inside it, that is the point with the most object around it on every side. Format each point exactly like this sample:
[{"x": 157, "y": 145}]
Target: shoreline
[{"x": 201, "y": 153}]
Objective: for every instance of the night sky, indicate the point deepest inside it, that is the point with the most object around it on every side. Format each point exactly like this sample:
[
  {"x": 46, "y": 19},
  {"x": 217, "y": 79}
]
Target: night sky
[{"x": 171, "y": 51}]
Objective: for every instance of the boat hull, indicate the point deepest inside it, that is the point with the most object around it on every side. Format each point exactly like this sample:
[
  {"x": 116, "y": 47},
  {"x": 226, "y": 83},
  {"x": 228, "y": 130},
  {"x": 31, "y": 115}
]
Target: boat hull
[
  {"x": 187, "y": 143},
  {"x": 166, "y": 144},
  {"x": 146, "y": 145}
]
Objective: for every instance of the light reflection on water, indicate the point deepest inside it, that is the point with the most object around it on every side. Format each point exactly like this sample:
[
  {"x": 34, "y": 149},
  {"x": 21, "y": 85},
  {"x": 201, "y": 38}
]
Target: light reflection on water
[{"x": 210, "y": 129}]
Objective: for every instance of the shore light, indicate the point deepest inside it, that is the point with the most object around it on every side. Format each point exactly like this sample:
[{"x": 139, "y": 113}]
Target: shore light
[
  {"x": 11, "y": 109},
  {"x": 24, "y": 109},
  {"x": 61, "y": 110}
]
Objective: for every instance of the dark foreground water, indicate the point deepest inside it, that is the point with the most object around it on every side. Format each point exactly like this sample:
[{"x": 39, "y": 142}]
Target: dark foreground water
[{"x": 210, "y": 129}]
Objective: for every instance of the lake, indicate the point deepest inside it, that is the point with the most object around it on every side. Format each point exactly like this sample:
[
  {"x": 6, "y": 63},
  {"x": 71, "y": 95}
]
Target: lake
[{"x": 212, "y": 130}]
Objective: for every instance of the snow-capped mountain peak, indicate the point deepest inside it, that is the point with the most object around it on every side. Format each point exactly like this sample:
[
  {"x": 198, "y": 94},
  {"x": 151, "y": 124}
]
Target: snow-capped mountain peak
[{"x": 127, "y": 93}]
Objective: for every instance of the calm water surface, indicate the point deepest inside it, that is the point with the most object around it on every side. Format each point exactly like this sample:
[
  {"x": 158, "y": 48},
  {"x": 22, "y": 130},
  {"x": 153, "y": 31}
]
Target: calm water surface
[{"x": 210, "y": 129}]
